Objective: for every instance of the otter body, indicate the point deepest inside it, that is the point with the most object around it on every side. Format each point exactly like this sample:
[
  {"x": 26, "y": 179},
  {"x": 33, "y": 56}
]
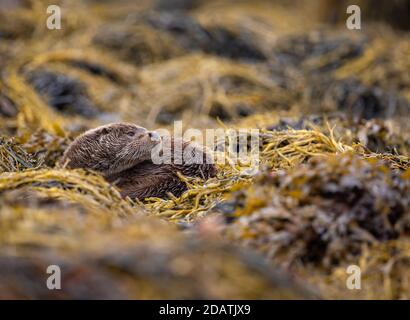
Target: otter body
[{"x": 122, "y": 153}]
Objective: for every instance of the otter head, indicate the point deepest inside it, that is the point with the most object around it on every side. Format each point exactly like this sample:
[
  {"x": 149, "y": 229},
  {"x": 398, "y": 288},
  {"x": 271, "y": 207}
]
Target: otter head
[{"x": 111, "y": 148}]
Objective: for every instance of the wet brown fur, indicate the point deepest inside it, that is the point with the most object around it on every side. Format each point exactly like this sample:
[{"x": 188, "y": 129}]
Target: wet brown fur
[{"x": 122, "y": 153}]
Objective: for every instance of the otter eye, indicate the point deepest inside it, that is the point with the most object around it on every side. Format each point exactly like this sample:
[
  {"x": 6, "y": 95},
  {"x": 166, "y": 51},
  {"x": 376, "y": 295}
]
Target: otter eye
[{"x": 131, "y": 133}]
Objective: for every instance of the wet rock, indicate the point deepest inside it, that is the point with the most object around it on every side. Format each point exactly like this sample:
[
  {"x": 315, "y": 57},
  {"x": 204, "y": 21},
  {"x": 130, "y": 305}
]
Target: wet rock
[
  {"x": 318, "y": 51},
  {"x": 355, "y": 99},
  {"x": 7, "y": 107},
  {"x": 171, "y": 5},
  {"x": 96, "y": 69},
  {"x": 65, "y": 94},
  {"x": 191, "y": 35}
]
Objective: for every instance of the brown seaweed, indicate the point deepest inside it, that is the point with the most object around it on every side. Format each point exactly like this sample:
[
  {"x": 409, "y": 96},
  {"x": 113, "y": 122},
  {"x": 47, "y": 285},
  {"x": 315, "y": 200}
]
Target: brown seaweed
[
  {"x": 324, "y": 211},
  {"x": 333, "y": 183}
]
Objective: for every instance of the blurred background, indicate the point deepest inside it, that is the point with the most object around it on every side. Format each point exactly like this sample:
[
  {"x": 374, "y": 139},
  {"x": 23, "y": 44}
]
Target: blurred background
[
  {"x": 153, "y": 62},
  {"x": 290, "y": 68}
]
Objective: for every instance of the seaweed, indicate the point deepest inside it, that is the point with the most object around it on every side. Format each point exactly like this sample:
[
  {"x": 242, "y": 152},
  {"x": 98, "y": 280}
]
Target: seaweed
[
  {"x": 13, "y": 157},
  {"x": 131, "y": 257},
  {"x": 375, "y": 135},
  {"x": 217, "y": 88},
  {"x": 16, "y": 24},
  {"x": 137, "y": 44},
  {"x": 324, "y": 211},
  {"x": 331, "y": 187}
]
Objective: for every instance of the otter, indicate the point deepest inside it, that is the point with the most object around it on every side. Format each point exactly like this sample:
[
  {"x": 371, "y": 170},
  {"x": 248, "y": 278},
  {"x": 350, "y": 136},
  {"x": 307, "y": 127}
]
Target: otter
[{"x": 122, "y": 153}]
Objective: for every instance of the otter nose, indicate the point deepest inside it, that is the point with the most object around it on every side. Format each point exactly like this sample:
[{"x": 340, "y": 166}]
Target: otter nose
[{"x": 154, "y": 136}]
